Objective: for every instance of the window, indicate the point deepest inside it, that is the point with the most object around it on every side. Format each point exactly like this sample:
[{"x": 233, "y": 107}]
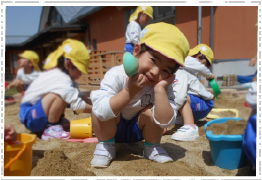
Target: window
[
  {"x": 162, "y": 11},
  {"x": 94, "y": 45},
  {"x": 15, "y": 60},
  {"x": 54, "y": 18}
]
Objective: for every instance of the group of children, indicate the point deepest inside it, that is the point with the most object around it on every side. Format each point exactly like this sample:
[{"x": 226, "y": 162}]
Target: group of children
[{"x": 125, "y": 109}]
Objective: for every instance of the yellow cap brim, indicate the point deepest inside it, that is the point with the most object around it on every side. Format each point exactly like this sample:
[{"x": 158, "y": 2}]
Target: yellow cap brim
[
  {"x": 166, "y": 52},
  {"x": 149, "y": 15},
  {"x": 36, "y": 67},
  {"x": 80, "y": 67},
  {"x": 194, "y": 51},
  {"x": 209, "y": 62},
  {"x": 34, "y": 64}
]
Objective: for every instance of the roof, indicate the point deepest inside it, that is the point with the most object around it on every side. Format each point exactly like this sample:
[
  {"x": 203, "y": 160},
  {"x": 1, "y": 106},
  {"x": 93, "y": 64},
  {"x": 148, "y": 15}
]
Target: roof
[
  {"x": 72, "y": 14},
  {"x": 48, "y": 35},
  {"x": 15, "y": 39}
]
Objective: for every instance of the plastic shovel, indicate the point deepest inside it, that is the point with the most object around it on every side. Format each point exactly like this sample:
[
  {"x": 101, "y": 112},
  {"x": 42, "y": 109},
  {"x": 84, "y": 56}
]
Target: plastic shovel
[
  {"x": 86, "y": 140},
  {"x": 213, "y": 116}
]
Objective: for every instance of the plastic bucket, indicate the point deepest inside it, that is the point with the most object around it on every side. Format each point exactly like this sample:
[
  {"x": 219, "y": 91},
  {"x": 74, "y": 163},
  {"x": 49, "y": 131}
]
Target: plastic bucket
[
  {"x": 81, "y": 128},
  {"x": 215, "y": 87},
  {"x": 226, "y": 150},
  {"x": 18, "y": 157}
]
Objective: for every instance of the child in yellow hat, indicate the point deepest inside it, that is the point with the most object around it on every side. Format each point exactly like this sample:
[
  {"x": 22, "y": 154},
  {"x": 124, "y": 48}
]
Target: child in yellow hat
[
  {"x": 130, "y": 109},
  {"x": 139, "y": 17},
  {"x": 29, "y": 71},
  {"x": 46, "y": 98},
  {"x": 192, "y": 98}
]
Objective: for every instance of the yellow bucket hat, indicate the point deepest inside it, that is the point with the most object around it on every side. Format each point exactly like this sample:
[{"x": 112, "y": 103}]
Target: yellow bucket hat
[
  {"x": 32, "y": 56},
  {"x": 70, "y": 49},
  {"x": 148, "y": 10},
  {"x": 167, "y": 39},
  {"x": 204, "y": 49}
]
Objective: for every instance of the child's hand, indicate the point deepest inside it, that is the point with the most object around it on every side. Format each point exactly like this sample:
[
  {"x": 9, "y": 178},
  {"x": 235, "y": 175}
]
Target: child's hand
[
  {"x": 253, "y": 61},
  {"x": 166, "y": 82},
  {"x": 7, "y": 88},
  {"x": 20, "y": 85},
  {"x": 10, "y": 133},
  {"x": 213, "y": 76},
  {"x": 135, "y": 84}
]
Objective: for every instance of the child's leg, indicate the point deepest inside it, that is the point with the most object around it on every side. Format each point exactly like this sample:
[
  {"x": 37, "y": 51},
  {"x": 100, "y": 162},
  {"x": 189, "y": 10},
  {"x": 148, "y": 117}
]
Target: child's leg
[
  {"x": 152, "y": 134},
  {"x": 186, "y": 112},
  {"x": 105, "y": 132},
  {"x": 189, "y": 131},
  {"x": 147, "y": 125},
  {"x": 53, "y": 106}
]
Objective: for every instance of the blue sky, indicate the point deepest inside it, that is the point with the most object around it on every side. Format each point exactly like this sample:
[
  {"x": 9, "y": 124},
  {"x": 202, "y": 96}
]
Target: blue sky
[{"x": 22, "y": 20}]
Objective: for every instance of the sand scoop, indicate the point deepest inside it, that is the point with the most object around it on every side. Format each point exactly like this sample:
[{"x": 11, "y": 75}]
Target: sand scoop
[{"x": 214, "y": 116}]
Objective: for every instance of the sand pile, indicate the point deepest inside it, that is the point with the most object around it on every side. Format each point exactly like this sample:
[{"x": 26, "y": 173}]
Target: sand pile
[{"x": 56, "y": 163}]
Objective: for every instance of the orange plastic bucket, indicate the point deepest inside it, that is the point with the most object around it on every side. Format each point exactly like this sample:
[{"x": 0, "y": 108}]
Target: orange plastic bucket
[
  {"x": 18, "y": 157},
  {"x": 81, "y": 128}
]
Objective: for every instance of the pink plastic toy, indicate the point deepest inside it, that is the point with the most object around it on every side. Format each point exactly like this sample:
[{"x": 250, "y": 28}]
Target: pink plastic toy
[{"x": 87, "y": 140}]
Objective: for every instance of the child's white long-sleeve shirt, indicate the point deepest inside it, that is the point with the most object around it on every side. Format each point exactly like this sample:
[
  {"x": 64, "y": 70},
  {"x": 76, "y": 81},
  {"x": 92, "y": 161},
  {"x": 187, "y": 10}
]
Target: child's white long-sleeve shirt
[
  {"x": 57, "y": 82},
  {"x": 251, "y": 96},
  {"x": 27, "y": 78},
  {"x": 185, "y": 83},
  {"x": 132, "y": 32},
  {"x": 115, "y": 81},
  {"x": 193, "y": 66}
]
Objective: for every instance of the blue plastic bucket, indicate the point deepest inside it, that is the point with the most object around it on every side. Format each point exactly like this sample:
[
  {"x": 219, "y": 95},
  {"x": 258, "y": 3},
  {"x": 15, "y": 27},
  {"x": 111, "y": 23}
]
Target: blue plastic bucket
[{"x": 226, "y": 150}]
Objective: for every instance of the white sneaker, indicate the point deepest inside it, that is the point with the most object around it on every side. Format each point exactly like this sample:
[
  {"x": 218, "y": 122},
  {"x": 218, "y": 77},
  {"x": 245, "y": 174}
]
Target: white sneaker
[
  {"x": 157, "y": 154},
  {"x": 103, "y": 155},
  {"x": 186, "y": 133}
]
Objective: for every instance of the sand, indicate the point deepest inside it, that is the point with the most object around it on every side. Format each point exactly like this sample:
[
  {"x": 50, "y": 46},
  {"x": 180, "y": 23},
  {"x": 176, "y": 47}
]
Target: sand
[
  {"x": 231, "y": 127},
  {"x": 190, "y": 158}
]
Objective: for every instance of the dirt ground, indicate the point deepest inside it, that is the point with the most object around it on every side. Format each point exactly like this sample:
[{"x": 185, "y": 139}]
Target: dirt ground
[{"x": 57, "y": 157}]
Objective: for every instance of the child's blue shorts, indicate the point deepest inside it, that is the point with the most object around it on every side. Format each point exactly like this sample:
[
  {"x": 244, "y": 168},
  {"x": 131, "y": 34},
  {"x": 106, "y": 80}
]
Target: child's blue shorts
[
  {"x": 200, "y": 107},
  {"x": 129, "y": 47},
  {"x": 33, "y": 116},
  {"x": 128, "y": 131},
  {"x": 255, "y": 75}
]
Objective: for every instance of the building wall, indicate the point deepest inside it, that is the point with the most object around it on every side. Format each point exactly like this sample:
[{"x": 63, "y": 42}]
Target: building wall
[
  {"x": 107, "y": 27},
  {"x": 187, "y": 22},
  {"x": 235, "y": 33}
]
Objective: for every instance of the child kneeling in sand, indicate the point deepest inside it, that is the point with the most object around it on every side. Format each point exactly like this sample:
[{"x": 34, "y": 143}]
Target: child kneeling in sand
[
  {"x": 130, "y": 109},
  {"x": 28, "y": 72},
  {"x": 194, "y": 103},
  {"x": 47, "y": 97},
  {"x": 193, "y": 98}
]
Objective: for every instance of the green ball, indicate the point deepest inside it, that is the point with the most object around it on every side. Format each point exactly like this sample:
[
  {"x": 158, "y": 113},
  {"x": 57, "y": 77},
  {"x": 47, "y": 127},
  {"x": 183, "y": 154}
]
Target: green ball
[{"x": 130, "y": 63}]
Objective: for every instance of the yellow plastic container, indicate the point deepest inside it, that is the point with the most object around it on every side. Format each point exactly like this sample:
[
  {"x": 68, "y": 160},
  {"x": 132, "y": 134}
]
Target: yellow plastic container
[
  {"x": 81, "y": 128},
  {"x": 213, "y": 116},
  {"x": 18, "y": 157}
]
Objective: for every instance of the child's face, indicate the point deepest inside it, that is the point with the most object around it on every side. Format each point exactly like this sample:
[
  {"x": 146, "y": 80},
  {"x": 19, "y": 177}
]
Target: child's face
[
  {"x": 202, "y": 61},
  {"x": 23, "y": 62},
  {"x": 144, "y": 19},
  {"x": 73, "y": 71},
  {"x": 155, "y": 67}
]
